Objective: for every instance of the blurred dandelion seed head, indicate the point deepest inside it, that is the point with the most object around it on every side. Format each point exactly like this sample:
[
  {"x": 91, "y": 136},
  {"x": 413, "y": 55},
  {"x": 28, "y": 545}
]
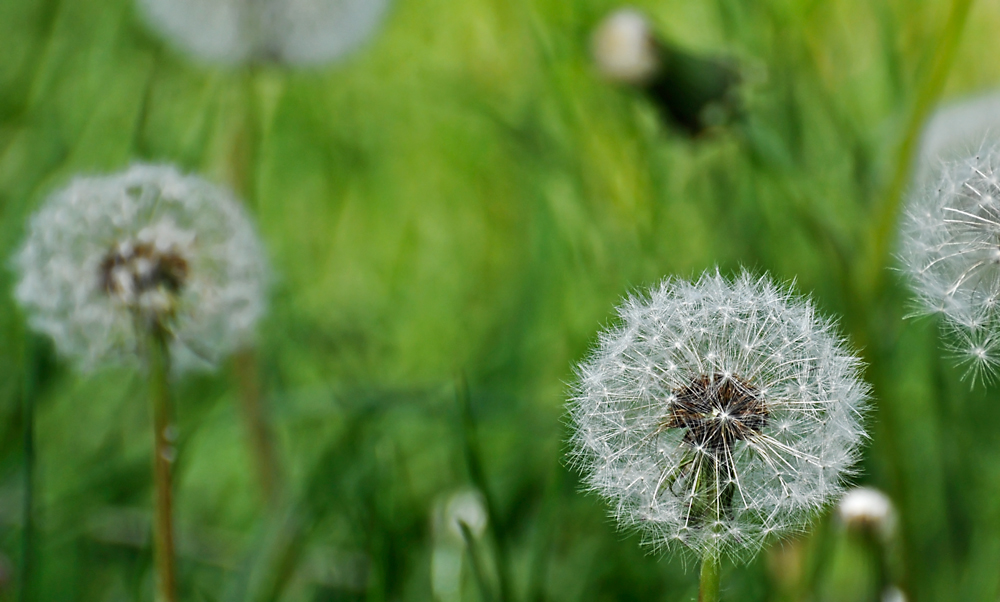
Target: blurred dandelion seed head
[
  {"x": 625, "y": 49},
  {"x": 867, "y": 509},
  {"x": 294, "y": 32},
  {"x": 717, "y": 414},
  {"x": 109, "y": 255},
  {"x": 950, "y": 249}
]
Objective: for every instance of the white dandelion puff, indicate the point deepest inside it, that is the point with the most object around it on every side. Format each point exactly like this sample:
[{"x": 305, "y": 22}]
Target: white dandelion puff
[
  {"x": 296, "y": 32},
  {"x": 950, "y": 249},
  {"x": 958, "y": 128},
  {"x": 867, "y": 509},
  {"x": 717, "y": 414},
  {"x": 625, "y": 48},
  {"x": 107, "y": 256}
]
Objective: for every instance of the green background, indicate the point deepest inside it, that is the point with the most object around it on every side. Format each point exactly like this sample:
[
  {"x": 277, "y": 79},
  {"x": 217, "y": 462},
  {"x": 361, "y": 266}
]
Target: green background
[{"x": 464, "y": 196}]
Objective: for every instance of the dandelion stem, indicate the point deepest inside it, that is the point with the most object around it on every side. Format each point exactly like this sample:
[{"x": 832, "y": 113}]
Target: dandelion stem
[
  {"x": 708, "y": 590},
  {"x": 163, "y": 455},
  {"x": 927, "y": 96},
  {"x": 29, "y": 389}
]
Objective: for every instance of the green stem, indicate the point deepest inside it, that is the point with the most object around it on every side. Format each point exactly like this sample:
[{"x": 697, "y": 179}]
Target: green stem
[
  {"x": 927, "y": 96},
  {"x": 709, "y": 586},
  {"x": 29, "y": 388},
  {"x": 163, "y": 457}
]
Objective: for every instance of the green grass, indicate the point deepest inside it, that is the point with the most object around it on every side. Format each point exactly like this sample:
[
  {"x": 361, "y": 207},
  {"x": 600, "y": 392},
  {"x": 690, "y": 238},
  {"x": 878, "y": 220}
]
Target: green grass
[{"x": 464, "y": 196}]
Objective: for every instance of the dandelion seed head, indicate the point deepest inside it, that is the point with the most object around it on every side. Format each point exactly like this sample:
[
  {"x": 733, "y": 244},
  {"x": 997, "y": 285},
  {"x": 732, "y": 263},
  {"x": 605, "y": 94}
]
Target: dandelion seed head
[
  {"x": 295, "y": 32},
  {"x": 108, "y": 255},
  {"x": 744, "y": 426},
  {"x": 867, "y": 509},
  {"x": 950, "y": 249}
]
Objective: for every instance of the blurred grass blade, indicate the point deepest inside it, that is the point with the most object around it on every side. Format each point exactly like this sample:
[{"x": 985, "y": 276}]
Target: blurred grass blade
[
  {"x": 476, "y": 560},
  {"x": 927, "y": 96},
  {"x": 470, "y": 441}
]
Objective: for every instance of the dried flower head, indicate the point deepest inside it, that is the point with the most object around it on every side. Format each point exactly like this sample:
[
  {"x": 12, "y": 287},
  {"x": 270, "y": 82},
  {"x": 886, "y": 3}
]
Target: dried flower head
[
  {"x": 625, "y": 49},
  {"x": 108, "y": 256},
  {"x": 867, "y": 509},
  {"x": 297, "y": 32},
  {"x": 717, "y": 413},
  {"x": 951, "y": 251}
]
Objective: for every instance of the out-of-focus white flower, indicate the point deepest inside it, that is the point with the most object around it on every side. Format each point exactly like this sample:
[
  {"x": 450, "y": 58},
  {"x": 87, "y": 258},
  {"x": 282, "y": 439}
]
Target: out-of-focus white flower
[
  {"x": 625, "y": 49},
  {"x": 717, "y": 413},
  {"x": 297, "y": 32},
  {"x": 950, "y": 248},
  {"x": 958, "y": 129},
  {"x": 867, "y": 509},
  {"x": 109, "y": 256},
  {"x": 893, "y": 594}
]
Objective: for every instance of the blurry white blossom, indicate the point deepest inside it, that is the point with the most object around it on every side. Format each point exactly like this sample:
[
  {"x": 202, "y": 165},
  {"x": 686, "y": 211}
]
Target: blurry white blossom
[
  {"x": 717, "y": 413},
  {"x": 958, "y": 129},
  {"x": 467, "y": 507},
  {"x": 950, "y": 248},
  {"x": 625, "y": 49},
  {"x": 867, "y": 509},
  {"x": 108, "y": 256},
  {"x": 298, "y": 32}
]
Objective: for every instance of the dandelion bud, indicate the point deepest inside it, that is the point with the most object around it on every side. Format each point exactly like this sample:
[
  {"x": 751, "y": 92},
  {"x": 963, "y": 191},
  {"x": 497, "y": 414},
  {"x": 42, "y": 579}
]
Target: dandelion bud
[
  {"x": 867, "y": 510},
  {"x": 107, "y": 257},
  {"x": 297, "y": 32},
  {"x": 717, "y": 413},
  {"x": 695, "y": 93},
  {"x": 950, "y": 251},
  {"x": 625, "y": 49}
]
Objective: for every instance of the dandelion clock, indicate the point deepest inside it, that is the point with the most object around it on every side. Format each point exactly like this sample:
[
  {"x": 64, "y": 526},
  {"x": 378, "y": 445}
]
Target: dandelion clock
[
  {"x": 950, "y": 249},
  {"x": 151, "y": 268},
  {"x": 717, "y": 414},
  {"x": 292, "y": 32}
]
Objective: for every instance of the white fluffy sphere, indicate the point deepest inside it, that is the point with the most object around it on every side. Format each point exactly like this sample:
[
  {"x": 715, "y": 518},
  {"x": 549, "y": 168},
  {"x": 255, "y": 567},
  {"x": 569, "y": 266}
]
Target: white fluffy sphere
[
  {"x": 107, "y": 254},
  {"x": 717, "y": 413}
]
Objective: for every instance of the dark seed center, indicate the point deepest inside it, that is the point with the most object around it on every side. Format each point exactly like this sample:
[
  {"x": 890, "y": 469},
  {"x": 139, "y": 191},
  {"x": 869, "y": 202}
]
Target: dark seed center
[
  {"x": 717, "y": 411},
  {"x": 127, "y": 272}
]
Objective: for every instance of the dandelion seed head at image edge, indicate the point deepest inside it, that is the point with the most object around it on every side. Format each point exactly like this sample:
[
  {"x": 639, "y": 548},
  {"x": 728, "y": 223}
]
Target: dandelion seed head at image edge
[
  {"x": 289, "y": 32},
  {"x": 718, "y": 414},
  {"x": 107, "y": 254},
  {"x": 950, "y": 250}
]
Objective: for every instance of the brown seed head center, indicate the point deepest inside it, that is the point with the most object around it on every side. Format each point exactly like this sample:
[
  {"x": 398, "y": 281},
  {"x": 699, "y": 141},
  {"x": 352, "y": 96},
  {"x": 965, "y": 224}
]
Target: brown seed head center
[
  {"x": 130, "y": 272},
  {"x": 717, "y": 411}
]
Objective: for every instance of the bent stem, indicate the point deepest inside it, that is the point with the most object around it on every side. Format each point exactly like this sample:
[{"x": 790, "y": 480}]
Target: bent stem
[
  {"x": 163, "y": 456},
  {"x": 708, "y": 590}
]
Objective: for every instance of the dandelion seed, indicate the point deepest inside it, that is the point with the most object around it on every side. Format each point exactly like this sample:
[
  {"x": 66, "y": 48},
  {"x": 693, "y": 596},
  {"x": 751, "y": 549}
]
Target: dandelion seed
[
  {"x": 744, "y": 425},
  {"x": 295, "y": 32},
  {"x": 867, "y": 509},
  {"x": 951, "y": 251},
  {"x": 108, "y": 256}
]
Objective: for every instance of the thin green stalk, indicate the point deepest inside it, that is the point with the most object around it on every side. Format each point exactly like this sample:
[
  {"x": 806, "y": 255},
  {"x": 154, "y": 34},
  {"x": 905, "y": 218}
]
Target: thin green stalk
[
  {"x": 163, "y": 456},
  {"x": 708, "y": 590},
  {"x": 29, "y": 389},
  {"x": 258, "y": 427},
  {"x": 476, "y": 560},
  {"x": 927, "y": 96},
  {"x": 470, "y": 442}
]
